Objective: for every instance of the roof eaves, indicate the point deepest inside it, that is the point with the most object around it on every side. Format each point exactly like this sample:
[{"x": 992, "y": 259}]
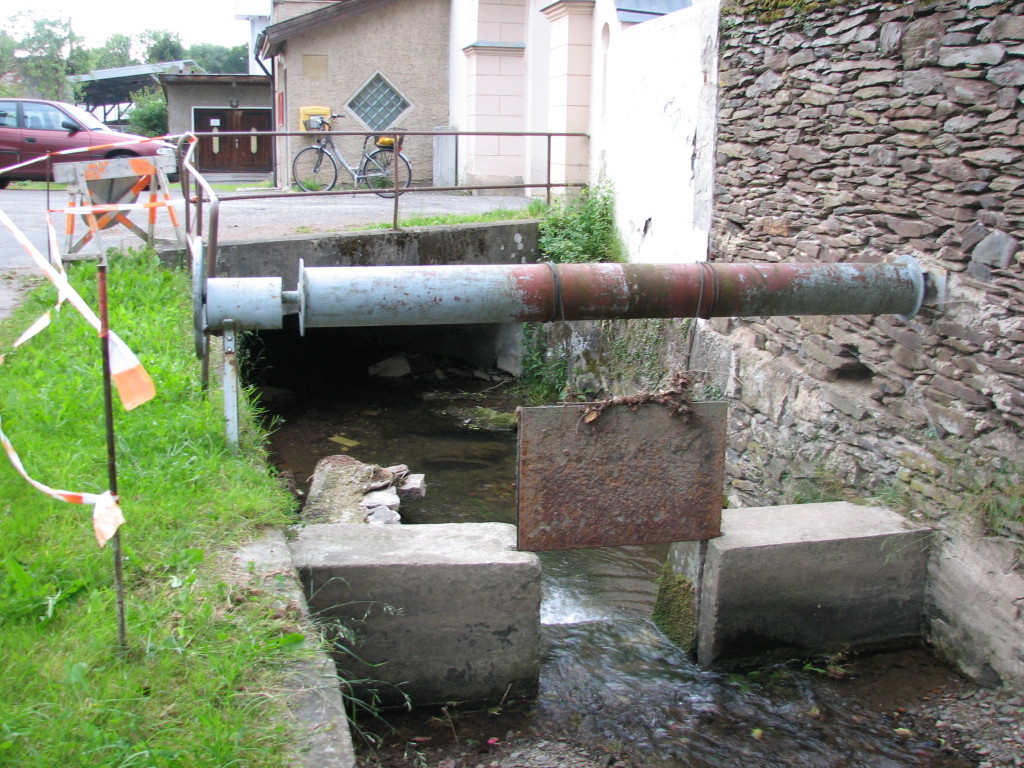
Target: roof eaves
[{"x": 275, "y": 35}]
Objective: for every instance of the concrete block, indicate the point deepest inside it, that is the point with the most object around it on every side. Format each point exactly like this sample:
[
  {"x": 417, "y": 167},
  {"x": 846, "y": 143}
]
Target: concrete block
[
  {"x": 447, "y": 612},
  {"x": 806, "y": 579},
  {"x": 975, "y": 619}
]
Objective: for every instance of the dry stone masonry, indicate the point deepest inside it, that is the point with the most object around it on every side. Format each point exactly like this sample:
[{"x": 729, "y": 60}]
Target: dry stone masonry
[{"x": 859, "y": 133}]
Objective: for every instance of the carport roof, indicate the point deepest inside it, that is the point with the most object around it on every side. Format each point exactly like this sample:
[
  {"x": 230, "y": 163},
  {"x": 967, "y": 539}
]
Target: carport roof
[{"x": 104, "y": 87}]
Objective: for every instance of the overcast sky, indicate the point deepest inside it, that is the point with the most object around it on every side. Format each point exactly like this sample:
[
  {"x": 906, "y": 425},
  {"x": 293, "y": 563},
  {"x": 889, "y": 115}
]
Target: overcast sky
[{"x": 195, "y": 21}]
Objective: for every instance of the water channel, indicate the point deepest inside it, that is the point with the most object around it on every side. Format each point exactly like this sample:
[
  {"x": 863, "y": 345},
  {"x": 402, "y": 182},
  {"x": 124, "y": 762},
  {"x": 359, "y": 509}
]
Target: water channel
[{"x": 610, "y": 680}]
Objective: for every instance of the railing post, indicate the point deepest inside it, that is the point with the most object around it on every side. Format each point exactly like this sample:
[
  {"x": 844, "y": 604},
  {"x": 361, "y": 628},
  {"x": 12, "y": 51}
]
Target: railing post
[
  {"x": 394, "y": 179},
  {"x": 547, "y": 197}
]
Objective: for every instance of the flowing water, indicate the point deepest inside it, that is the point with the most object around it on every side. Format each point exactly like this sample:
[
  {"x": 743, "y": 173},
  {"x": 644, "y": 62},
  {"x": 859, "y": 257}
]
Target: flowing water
[{"x": 609, "y": 680}]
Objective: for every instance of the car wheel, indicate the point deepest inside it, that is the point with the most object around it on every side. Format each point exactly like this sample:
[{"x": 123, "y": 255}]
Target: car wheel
[{"x": 4, "y": 183}]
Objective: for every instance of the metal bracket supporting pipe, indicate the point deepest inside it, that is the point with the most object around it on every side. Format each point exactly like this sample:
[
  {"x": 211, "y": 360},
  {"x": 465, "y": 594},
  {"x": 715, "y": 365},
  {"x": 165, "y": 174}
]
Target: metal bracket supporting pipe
[
  {"x": 332, "y": 297},
  {"x": 230, "y": 386}
]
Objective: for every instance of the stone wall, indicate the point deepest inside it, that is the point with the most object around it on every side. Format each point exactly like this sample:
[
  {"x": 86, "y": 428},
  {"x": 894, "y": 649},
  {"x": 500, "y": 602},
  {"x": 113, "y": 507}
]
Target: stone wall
[{"x": 858, "y": 134}]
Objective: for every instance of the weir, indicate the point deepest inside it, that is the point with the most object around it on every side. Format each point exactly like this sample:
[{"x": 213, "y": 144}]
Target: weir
[{"x": 448, "y": 579}]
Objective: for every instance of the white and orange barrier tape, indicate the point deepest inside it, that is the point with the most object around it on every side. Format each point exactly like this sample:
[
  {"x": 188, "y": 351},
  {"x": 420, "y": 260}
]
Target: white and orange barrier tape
[
  {"x": 95, "y": 208},
  {"x": 79, "y": 150},
  {"x": 132, "y": 381}
]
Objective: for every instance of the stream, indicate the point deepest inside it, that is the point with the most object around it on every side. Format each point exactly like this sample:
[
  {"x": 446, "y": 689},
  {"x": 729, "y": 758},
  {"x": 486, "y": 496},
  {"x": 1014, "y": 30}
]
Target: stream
[{"x": 610, "y": 680}]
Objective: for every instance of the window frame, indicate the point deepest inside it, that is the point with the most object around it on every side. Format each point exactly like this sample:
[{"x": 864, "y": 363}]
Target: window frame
[{"x": 406, "y": 111}]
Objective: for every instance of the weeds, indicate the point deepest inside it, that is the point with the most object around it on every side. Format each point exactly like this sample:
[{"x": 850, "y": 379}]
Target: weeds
[
  {"x": 821, "y": 484},
  {"x": 997, "y": 499},
  {"x": 545, "y": 369},
  {"x": 582, "y": 229}
]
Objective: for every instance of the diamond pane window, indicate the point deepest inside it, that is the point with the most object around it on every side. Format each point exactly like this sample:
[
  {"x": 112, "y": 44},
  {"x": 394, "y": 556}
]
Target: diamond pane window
[{"x": 378, "y": 104}]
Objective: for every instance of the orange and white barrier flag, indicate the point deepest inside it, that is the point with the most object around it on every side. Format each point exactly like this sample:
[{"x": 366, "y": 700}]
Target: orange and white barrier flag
[
  {"x": 106, "y": 517},
  {"x": 133, "y": 383}
]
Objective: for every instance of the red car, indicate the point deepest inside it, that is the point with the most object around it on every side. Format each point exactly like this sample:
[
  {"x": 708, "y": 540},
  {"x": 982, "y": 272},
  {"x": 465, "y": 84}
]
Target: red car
[{"x": 30, "y": 128}]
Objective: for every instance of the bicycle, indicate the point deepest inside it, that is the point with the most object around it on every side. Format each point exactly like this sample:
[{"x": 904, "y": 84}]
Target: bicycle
[{"x": 315, "y": 168}]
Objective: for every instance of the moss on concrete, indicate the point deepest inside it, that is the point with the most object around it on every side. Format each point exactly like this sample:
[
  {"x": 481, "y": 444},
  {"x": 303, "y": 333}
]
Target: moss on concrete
[
  {"x": 675, "y": 608},
  {"x": 624, "y": 356}
]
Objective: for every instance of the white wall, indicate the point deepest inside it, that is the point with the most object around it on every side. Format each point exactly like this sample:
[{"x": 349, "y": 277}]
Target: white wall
[
  {"x": 537, "y": 89},
  {"x": 462, "y": 33},
  {"x": 655, "y": 139}
]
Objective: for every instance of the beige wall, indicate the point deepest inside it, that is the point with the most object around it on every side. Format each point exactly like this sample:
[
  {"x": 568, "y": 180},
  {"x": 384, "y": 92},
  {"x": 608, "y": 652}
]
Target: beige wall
[
  {"x": 289, "y": 9},
  {"x": 407, "y": 42}
]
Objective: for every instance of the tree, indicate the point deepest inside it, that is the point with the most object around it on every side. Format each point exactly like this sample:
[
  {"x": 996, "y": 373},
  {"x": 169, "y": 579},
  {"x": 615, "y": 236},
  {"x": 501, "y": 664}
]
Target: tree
[
  {"x": 162, "y": 45},
  {"x": 116, "y": 52},
  {"x": 219, "y": 59},
  {"x": 45, "y": 51},
  {"x": 7, "y": 47},
  {"x": 149, "y": 115}
]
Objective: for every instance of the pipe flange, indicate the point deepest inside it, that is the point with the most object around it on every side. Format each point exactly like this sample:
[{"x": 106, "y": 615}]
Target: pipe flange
[
  {"x": 301, "y": 289},
  {"x": 199, "y": 335},
  {"x": 918, "y": 278}
]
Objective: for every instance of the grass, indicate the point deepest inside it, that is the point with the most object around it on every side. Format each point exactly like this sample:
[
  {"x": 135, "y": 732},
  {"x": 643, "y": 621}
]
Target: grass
[
  {"x": 42, "y": 185},
  {"x": 191, "y": 690},
  {"x": 535, "y": 210}
]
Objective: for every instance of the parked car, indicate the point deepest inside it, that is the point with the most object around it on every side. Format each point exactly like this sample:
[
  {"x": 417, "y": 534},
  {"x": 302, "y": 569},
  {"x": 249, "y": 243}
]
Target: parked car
[{"x": 31, "y": 128}]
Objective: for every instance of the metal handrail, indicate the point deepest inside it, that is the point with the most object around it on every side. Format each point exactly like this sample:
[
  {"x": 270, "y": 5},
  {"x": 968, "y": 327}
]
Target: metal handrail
[
  {"x": 201, "y": 255},
  {"x": 203, "y": 192}
]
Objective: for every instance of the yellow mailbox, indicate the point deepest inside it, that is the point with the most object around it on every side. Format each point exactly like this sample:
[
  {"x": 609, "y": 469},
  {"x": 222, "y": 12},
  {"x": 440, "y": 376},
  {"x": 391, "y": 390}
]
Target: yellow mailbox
[{"x": 305, "y": 113}]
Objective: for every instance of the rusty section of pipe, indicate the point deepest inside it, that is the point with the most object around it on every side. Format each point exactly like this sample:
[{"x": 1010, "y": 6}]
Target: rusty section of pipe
[
  {"x": 495, "y": 293},
  {"x": 614, "y": 291}
]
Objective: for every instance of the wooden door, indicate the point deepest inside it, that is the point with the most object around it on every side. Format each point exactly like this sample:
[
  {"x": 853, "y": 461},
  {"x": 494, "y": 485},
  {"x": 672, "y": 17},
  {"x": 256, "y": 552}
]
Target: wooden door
[{"x": 237, "y": 154}]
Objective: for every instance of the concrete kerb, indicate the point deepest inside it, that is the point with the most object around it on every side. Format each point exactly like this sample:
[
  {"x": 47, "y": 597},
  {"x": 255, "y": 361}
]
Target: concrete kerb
[{"x": 313, "y": 693}]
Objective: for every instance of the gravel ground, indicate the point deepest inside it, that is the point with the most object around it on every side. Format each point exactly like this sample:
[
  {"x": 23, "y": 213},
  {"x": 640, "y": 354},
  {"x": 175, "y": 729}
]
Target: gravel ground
[{"x": 984, "y": 726}]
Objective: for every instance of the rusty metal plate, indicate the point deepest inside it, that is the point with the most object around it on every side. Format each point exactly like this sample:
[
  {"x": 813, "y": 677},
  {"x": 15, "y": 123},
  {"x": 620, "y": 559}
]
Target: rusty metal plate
[{"x": 628, "y": 477}]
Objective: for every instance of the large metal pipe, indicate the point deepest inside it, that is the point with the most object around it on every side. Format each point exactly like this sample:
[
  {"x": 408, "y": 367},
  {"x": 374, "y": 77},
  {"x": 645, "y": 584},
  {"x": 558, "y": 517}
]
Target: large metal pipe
[{"x": 332, "y": 297}]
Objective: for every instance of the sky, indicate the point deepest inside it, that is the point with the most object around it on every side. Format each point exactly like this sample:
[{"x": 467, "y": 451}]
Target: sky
[{"x": 195, "y": 21}]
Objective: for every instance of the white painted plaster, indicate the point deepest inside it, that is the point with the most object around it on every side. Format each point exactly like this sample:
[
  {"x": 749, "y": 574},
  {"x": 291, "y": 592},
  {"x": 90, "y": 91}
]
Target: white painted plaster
[{"x": 655, "y": 141}]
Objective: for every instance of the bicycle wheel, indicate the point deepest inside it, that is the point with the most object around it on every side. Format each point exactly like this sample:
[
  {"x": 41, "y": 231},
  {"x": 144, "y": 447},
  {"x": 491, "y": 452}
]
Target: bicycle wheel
[
  {"x": 378, "y": 172},
  {"x": 314, "y": 170}
]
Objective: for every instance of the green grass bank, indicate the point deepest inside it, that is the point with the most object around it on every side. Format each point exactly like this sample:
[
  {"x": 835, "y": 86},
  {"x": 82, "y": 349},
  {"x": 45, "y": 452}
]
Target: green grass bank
[{"x": 195, "y": 687}]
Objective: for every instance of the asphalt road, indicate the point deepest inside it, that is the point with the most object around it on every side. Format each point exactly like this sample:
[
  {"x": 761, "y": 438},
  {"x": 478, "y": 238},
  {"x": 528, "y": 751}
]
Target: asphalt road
[{"x": 249, "y": 219}]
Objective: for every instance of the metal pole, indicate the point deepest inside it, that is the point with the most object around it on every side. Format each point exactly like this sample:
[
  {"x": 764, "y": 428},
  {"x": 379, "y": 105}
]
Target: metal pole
[
  {"x": 547, "y": 194},
  {"x": 394, "y": 178},
  {"x": 108, "y": 410}
]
